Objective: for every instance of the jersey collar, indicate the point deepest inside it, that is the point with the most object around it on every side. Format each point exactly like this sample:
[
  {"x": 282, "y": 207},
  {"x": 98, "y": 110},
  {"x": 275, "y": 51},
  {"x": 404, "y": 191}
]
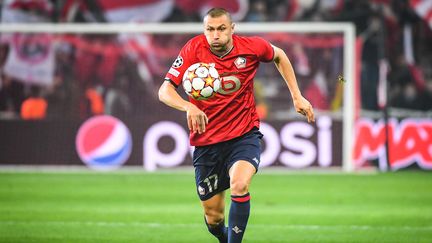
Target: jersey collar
[{"x": 225, "y": 54}]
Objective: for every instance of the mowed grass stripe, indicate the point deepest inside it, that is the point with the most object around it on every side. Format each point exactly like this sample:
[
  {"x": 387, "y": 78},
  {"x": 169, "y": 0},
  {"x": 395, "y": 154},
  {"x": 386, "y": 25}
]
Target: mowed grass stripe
[
  {"x": 173, "y": 225},
  {"x": 163, "y": 207}
]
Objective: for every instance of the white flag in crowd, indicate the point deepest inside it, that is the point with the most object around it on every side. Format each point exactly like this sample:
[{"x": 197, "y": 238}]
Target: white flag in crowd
[{"x": 31, "y": 59}]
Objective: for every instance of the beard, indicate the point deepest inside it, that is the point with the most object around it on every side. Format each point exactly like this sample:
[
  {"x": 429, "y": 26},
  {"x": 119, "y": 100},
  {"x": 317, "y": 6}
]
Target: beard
[{"x": 219, "y": 47}]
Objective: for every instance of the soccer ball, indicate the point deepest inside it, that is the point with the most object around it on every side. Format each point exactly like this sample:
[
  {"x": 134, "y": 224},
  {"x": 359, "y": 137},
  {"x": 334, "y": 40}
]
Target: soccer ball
[{"x": 201, "y": 81}]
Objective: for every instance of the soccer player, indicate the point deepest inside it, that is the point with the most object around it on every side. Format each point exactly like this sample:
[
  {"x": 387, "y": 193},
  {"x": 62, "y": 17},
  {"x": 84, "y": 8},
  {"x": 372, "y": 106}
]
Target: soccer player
[{"x": 224, "y": 128}]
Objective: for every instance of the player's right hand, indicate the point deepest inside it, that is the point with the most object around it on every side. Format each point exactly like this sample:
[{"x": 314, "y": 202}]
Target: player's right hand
[{"x": 196, "y": 119}]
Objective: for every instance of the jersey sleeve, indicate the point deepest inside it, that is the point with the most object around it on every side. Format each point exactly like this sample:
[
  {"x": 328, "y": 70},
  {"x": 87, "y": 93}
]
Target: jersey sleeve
[
  {"x": 180, "y": 64},
  {"x": 264, "y": 49}
]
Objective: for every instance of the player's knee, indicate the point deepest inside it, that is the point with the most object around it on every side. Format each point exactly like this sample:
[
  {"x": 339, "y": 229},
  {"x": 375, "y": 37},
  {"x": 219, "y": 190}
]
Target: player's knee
[
  {"x": 239, "y": 187},
  {"x": 213, "y": 217}
]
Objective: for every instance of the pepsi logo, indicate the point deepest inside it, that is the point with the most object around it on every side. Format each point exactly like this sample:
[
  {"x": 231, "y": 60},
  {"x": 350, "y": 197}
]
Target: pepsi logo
[{"x": 103, "y": 143}]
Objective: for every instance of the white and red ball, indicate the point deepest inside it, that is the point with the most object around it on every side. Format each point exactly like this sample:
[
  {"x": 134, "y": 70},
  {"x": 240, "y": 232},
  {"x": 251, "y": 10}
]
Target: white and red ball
[{"x": 201, "y": 81}]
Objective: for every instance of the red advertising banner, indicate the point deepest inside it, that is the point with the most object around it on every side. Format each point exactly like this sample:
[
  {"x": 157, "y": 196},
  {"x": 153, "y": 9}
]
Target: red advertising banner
[{"x": 409, "y": 143}]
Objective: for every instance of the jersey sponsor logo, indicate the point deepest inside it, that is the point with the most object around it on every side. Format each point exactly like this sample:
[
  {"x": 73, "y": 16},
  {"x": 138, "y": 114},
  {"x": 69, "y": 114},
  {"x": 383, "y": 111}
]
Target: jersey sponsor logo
[
  {"x": 174, "y": 72},
  {"x": 229, "y": 84},
  {"x": 240, "y": 62},
  {"x": 178, "y": 62},
  {"x": 103, "y": 143}
]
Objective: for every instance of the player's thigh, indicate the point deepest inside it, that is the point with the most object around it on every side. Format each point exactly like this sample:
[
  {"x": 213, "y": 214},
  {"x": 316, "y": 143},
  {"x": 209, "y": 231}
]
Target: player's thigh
[
  {"x": 211, "y": 175},
  {"x": 242, "y": 169},
  {"x": 247, "y": 150},
  {"x": 241, "y": 173}
]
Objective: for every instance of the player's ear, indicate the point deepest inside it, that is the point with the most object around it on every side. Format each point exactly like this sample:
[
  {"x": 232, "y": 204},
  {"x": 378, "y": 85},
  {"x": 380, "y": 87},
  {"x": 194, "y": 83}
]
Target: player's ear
[{"x": 232, "y": 27}]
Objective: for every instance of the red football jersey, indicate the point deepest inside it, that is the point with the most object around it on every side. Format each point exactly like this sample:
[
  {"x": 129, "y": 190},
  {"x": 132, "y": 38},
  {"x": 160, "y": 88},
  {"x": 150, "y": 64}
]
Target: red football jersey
[{"x": 231, "y": 112}]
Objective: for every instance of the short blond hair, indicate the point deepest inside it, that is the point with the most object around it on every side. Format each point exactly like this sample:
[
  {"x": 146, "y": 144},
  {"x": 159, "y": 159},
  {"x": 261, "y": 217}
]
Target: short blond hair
[{"x": 217, "y": 12}]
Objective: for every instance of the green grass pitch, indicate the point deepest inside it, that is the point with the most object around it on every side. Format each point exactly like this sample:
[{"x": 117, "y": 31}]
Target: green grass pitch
[{"x": 128, "y": 206}]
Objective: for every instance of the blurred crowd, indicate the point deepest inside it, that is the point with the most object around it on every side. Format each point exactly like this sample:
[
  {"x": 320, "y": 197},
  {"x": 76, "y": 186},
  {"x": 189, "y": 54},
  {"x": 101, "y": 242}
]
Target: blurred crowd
[{"x": 393, "y": 36}]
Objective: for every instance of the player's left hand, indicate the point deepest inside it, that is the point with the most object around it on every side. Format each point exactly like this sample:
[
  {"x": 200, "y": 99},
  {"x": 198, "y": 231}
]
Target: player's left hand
[{"x": 303, "y": 107}]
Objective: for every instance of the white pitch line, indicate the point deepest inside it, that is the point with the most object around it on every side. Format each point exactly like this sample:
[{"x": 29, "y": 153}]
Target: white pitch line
[
  {"x": 82, "y": 169},
  {"x": 180, "y": 225}
]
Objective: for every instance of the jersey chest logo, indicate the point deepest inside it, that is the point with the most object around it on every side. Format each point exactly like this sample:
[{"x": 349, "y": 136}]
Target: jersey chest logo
[{"x": 240, "y": 62}]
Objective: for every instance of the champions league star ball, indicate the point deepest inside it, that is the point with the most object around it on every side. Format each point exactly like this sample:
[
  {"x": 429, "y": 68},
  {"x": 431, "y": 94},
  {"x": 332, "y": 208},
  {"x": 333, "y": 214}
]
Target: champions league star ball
[{"x": 201, "y": 81}]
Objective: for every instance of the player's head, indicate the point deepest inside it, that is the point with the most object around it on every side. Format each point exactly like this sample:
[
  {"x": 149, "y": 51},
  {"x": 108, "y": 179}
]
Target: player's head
[{"x": 218, "y": 29}]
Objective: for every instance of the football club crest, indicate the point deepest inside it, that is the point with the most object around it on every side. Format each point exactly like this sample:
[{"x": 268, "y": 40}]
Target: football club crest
[
  {"x": 201, "y": 190},
  {"x": 240, "y": 62}
]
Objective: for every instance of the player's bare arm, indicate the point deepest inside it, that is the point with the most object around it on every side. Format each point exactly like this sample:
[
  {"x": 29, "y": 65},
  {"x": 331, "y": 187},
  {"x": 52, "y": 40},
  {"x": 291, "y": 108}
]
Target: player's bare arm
[
  {"x": 284, "y": 66},
  {"x": 196, "y": 118}
]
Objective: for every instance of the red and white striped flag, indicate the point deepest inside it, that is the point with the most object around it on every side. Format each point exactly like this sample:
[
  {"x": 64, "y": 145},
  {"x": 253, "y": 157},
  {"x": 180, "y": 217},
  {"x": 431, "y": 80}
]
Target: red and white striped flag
[
  {"x": 424, "y": 9},
  {"x": 26, "y": 11},
  {"x": 122, "y": 11}
]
